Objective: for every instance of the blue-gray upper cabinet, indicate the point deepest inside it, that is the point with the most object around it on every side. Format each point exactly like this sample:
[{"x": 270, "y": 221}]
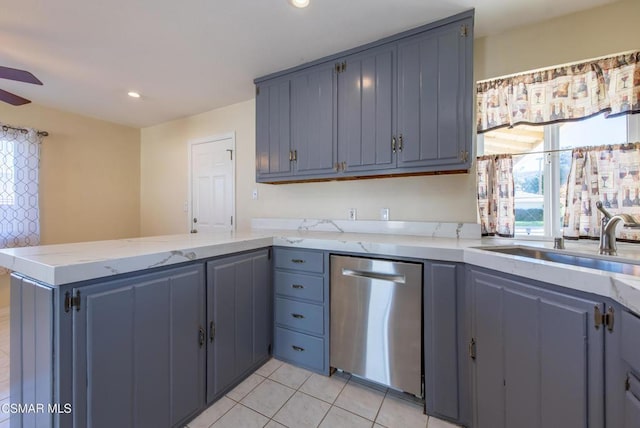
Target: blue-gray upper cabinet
[
  {"x": 274, "y": 154},
  {"x": 313, "y": 100},
  {"x": 240, "y": 314},
  {"x": 435, "y": 81},
  {"x": 138, "y": 350},
  {"x": 537, "y": 355},
  {"x": 365, "y": 107},
  {"x": 401, "y": 105}
]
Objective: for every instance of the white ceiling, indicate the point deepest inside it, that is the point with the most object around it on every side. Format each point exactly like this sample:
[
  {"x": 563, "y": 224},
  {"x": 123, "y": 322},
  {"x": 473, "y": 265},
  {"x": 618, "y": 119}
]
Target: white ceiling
[{"x": 191, "y": 56}]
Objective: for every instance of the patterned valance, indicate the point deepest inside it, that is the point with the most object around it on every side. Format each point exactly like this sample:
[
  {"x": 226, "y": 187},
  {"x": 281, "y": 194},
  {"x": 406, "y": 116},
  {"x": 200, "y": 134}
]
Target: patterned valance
[{"x": 572, "y": 92}]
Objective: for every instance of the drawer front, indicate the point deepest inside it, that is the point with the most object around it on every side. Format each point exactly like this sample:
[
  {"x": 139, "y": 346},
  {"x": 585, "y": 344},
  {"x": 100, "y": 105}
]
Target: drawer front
[
  {"x": 299, "y": 348},
  {"x": 306, "y": 261},
  {"x": 630, "y": 325},
  {"x": 306, "y": 317},
  {"x": 300, "y": 286}
]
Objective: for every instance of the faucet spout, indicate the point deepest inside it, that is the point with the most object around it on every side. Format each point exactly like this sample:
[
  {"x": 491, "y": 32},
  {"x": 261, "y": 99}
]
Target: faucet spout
[{"x": 608, "y": 229}]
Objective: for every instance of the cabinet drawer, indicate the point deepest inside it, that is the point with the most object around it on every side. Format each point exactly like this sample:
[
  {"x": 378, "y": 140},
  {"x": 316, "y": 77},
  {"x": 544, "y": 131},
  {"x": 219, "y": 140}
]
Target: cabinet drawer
[
  {"x": 299, "y": 348},
  {"x": 631, "y": 340},
  {"x": 307, "y": 261},
  {"x": 300, "y": 286},
  {"x": 300, "y": 316}
]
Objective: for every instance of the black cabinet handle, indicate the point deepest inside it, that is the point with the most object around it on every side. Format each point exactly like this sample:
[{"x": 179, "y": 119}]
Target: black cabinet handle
[
  {"x": 297, "y": 348},
  {"x": 298, "y": 286},
  {"x": 297, "y": 261},
  {"x": 299, "y": 316}
]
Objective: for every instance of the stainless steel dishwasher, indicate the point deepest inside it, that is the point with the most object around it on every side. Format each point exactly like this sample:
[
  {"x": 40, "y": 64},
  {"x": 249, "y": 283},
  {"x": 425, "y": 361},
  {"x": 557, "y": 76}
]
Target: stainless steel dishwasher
[{"x": 376, "y": 318}]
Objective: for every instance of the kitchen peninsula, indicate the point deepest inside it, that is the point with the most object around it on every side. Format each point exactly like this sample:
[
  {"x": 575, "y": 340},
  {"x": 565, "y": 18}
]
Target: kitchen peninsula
[{"x": 92, "y": 321}]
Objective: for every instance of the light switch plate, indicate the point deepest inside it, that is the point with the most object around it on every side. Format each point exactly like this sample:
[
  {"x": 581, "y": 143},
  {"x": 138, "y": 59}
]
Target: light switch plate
[
  {"x": 352, "y": 213},
  {"x": 384, "y": 214}
]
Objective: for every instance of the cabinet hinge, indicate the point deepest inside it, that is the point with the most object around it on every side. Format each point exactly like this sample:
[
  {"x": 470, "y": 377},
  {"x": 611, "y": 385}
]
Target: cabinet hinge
[
  {"x": 231, "y": 220},
  {"x": 257, "y": 90},
  {"x": 464, "y": 155},
  {"x": 336, "y": 68},
  {"x": 343, "y": 67},
  {"x": 606, "y": 318},
  {"x": 71, "y": 302},
  {"x": 212, "y": 331},
  {"x": 201, "y": 337},
  {"x": 472, "y": 349},
  {"x": 464, "y": 30}
]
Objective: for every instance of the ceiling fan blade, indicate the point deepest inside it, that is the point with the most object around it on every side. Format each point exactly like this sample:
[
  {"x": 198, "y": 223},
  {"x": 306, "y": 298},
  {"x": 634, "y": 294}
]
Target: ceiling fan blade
[
  {"x": 19, "y": 75},
  {"x": 12, "y": 99}
]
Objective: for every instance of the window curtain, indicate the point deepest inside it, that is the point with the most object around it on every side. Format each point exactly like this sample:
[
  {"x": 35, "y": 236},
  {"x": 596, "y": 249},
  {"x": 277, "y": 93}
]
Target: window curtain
[
  {"x": 610, "y": 174},
  {"x": 19, "y": 207},
  {"x": 496, "y": 195},
  {"x": 573, "y": 92}
]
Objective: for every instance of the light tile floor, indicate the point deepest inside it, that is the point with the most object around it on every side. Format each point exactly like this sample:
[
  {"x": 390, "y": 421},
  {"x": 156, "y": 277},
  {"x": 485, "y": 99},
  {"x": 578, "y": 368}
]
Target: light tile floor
[{"x": 280, "y": 395}]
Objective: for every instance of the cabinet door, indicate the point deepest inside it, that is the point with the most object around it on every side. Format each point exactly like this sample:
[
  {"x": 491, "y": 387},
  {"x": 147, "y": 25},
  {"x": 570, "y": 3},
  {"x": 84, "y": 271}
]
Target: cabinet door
[
  {"x": 538, "y": 356},
  {"x": 435, "y": 98},
  {"x": 273, "y": 131},
  {"x": 138, "y": 357},
  {"x": 441, "y": 330},
  {"x": 313, "y": 121},
  {"x": 365, "y": 100},
  {"x": 239, "y": 307}
]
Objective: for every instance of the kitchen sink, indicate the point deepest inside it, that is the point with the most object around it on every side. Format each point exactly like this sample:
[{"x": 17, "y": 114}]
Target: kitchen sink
[{"x": 605, "y": 263}]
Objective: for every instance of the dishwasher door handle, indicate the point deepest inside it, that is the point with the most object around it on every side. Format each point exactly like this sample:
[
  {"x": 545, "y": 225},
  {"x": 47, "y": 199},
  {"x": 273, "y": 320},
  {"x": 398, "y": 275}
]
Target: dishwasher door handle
[{"x": 397, "y": 279}]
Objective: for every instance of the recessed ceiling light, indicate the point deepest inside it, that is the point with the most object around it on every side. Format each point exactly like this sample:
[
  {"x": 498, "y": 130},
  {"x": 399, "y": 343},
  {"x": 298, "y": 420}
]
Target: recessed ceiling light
[
  {"x": 299, "y": 3},
  {"x": 133, "y": 94}
]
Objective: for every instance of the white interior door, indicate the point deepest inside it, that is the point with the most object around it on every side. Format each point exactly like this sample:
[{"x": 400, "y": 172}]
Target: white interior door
[{"x": 212, "y": 185}]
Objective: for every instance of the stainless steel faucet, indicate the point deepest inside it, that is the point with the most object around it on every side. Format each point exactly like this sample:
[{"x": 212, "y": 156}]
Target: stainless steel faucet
[{"x": 608, "y": 229}]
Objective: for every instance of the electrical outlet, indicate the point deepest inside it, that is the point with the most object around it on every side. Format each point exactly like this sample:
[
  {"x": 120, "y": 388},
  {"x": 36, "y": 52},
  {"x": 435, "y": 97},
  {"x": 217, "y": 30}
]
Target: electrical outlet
[
  {"x": 352, "y": 213},
  {"x": 254, "y": 194},
  {"x": 384, "y": 214}
]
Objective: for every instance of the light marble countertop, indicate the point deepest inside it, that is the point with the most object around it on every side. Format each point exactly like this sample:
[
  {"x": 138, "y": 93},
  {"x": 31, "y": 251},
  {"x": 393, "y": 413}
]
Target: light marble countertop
[{"x": 67, "y": 263}]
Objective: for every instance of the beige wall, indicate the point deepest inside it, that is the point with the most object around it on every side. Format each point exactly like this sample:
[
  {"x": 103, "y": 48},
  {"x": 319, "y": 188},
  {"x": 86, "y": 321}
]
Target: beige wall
[
  {"x": 592, "y": 33},
  {"x": 164, "y": 172},
  {"x": 583, "y": 35},
  {"x": 89, "y": 177}
]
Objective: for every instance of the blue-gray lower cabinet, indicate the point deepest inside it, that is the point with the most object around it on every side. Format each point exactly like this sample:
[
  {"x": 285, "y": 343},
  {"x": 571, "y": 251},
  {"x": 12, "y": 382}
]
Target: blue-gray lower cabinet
[
  {"x": 240, "y": 314},
  {"x": 445, "y": 369},
  {"x": 301, "y": 332},
  {"x": 138, "y": 350},
  {"x": 537, "y": 355},
  {"x": 626, "y": 371}
]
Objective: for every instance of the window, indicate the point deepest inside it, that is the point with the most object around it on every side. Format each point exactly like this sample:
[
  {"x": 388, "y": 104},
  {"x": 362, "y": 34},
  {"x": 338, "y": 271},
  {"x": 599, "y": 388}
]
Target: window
[{"x": 541, "y": 162}]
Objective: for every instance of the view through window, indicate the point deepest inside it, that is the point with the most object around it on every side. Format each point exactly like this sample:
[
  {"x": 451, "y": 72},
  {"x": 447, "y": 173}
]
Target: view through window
[{"x": 541, "y": 163}]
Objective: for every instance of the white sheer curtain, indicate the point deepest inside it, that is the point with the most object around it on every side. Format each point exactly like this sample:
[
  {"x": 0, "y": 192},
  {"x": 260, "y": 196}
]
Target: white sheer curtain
[{"x": 19, "y": 206}]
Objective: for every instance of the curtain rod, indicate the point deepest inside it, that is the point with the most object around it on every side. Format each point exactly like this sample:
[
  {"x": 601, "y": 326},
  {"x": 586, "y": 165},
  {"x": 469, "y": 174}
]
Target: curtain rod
[
  {"x": 556, "y": 150},
  {"x": 24, "y": 130}
]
